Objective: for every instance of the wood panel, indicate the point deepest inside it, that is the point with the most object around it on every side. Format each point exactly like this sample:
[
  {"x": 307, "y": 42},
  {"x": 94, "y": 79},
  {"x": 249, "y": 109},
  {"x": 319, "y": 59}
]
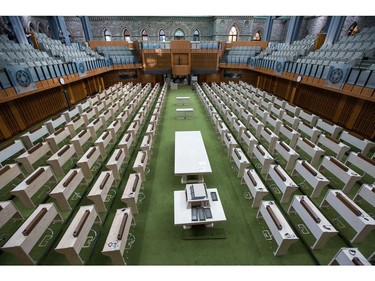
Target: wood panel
[
  {"x": 317, "y": 101},
  {"x": 204, "y": 60},
  {"x": 95, "y": 43},
  {"x": 8, "y": 122},
  {"x": 282, "y": 89},
  {"x": 156, "y": 61},
  {"x": 36, "y": 108},
  {"x": 365, "y": 124}
]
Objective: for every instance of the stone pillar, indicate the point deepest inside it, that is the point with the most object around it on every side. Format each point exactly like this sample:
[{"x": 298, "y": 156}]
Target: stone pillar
[
  {"x": 334, "y": 30},
  {"x": 294, "y": 28},
  {"x": 326, "y": 26},
  {"x": 59, "y": 30},
  {"x": 268, "y": 29},
  {"x": 17, "y": 29},
  {"x": 86, "y": 28}
]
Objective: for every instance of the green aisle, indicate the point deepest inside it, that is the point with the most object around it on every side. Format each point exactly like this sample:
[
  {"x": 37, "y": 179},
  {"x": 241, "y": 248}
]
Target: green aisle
[{"x": 159, "y": 242}]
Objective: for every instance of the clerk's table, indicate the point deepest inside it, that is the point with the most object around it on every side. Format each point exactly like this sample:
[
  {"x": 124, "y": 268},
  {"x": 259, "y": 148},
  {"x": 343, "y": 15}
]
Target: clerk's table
[
  {"x": 191, "y": 160},
  {"x": 197, "y": 205}
]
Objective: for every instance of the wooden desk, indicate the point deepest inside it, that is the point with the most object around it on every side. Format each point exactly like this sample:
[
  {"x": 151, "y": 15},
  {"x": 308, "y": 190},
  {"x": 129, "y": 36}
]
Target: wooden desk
[
  {"x": 79, "y": 140},
  {"x": 355, "y": 216},
  {"x": 126, "y": 142},
  {"x": 362, "y": 144},
  {"x": 362, "y": 162},
  {"x": 140, "y": 164},
  {"x": 312, "y": 132},
  {"x": 133, "y": 128},
  {"x": 257, "y": 125},
  {"x": 240, "y": 160},
  {"x": 29, "y": 186},
  {"x": 58, "y": 159},
  {"x": 57, "y": 137},
  {"x": 314, "y": 151},
  {"x": 287, "y": 153},
  {"x": 283, "y": 181},
  {"x": 366, "y": 192},
  {"x": 328, "y": 127},
  {"x": 75, "y": 236},
  {"x": 270, "y": 137},
  {"x": 103, "y": 141},
  {"x": 349, "y": 256},
  {"x": 88, "y": 160},
  {"x": 31, "y": 156},
  {"x": 33, "y": 135},
  {"x": 341, "y": 171},
  {"x": 146, "y": 144},
  {"x": 54, "y": 123},
  {"x": 70, "y": 114},
  {"x": 100, "y": 189},
  {"x": 239, "y": 127},
  {"x": 115, "y": 162},
  {"x": 88, "y": 115},
  {"x": 10, "y": 149},
  {"x": 256, "y": 186},
  {"x": 65, "y": 188},
  {"x": 113, "y": 128},
  {"x": 8, "y": 173},
  {"x": 311, "y": 175},
  {"x": 315, "y": 221},
  {"x": 250, "y": 141},
  {"x": 292, "y": 120},
  {"x": 8, "y": 210},
  {"x": 131, "y": 192},
  {"x": 274, "y": 122},
  {"x": 337, "y": 147},
  {"x": 94, "y": 126},
  {"x": 25, "y": 238},
  {"x": 74, "y": 125},
  {"x": 115, "y": 243},
  {"x": 122, "y": 117},
  {"x": 263, "y": 156},
  {"x": 280, "y": 229}
]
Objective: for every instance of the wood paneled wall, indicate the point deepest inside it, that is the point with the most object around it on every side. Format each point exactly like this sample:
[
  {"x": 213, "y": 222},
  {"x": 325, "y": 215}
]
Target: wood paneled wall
[
  {"x": 204, "y": 60},
  {"x": 20, "y": 114},
  {"x": 95, "y": 43},
  {"x": 156, "y": 61},
  {"x": 318, "y": 101}
]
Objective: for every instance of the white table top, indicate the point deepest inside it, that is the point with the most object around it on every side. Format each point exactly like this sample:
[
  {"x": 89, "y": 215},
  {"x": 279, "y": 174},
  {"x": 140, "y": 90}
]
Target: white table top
[
  {"x": 190, "y": 154},
  {"x": 184, "y": 109}
]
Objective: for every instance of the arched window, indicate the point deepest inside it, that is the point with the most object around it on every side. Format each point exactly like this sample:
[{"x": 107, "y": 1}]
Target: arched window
[
  {"x": 353, "y": 29},
  {"x": 258, "y": 36},
  {"x": 162, "y": 35},
  {"x": 196, "y": 35},
  {"x": 179, "y": 35},
  {"x": 127, "y": 35},
  {"x": 233, "y": 34},
  {"x": 144, "y": 35},
  {"x": 107, "y": 35}
]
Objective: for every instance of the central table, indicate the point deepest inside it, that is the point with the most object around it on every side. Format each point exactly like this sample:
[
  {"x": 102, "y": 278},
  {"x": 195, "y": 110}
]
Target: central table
[
  {"x": 182, "y": 100},
  {"x": 191, "y": 160},
  {"x": 184, "y": 113}
]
